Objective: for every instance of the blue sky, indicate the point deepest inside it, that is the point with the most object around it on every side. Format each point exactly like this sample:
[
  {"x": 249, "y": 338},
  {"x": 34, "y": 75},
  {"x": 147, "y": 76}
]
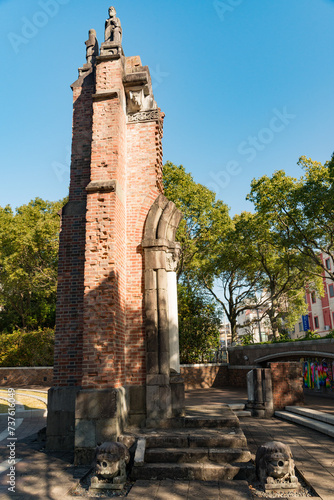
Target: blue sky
[{"x": 247, "y": 87}]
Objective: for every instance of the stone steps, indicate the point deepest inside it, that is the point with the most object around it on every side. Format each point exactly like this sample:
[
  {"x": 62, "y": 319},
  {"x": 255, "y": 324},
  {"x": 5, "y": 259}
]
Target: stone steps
[
  {"x": 196, "y": 438},
  {"x": 228, "y": 419},
  {"x": 328, "y": 418},
  {"x": 319, "y": 421},
  {"x": 239, "y": 410},
  {"x": 192, "y": 471},
  {"x": 196, "y": 455},
  {"x": 205, "y": 446},
  {"x": 242, "y": 413},
  {"x": 194, "y": 422}
]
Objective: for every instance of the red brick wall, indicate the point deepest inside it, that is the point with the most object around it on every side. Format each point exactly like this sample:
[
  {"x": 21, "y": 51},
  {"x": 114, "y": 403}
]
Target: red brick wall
[
  {"x": 205, "y": 376},
  {"x": 70, "y": 296},
  {"x": 100, "y": 336},
  {"x": 143, "y": 150},
  {"x": 287, "y": 381},
  {"x": 237, "y": 377}
]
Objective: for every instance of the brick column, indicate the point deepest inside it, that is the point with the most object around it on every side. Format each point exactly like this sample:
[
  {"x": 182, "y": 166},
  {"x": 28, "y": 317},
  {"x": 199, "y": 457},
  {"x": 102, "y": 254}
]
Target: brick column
[{"x": 116, "y": 175}]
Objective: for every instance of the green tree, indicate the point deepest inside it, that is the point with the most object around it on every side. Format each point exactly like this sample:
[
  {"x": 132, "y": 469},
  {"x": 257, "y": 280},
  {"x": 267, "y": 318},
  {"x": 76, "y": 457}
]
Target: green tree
[
  {"x": 301, "y": 211},
  {"x": 230, "y": 275},
  {"x": 28, "y": 264},
  {"x": 199, "y": 322},
  {"x": 284, "y": 274},
  {"x": 204, "y": 219}
]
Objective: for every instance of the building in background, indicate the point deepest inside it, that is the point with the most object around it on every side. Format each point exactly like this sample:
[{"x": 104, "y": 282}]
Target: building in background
[
  {"x": 252, "y": 322},
  {"x": 320, "y": 314},
  {"x": 225, "y": 334}
]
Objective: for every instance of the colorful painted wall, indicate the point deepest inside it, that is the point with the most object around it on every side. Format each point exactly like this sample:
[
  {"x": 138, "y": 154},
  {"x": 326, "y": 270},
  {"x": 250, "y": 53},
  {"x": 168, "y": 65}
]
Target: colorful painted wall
[{"x": 318, "y": 374}]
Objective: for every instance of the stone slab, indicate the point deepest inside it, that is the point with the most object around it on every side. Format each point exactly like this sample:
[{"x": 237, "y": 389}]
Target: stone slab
[
  {"x": 189, "y": 490},
  {"x": 311, "y": 413},
  {"x": 140, "y": 453},
  {"x": 307, "y": 422}
]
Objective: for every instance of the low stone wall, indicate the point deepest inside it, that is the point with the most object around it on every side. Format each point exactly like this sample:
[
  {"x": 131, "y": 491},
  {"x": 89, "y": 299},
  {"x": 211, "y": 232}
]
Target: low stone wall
[
  {"x": 197, "y": 376},
  {"x": 204, "y": 376},
  {"x": 237, "y": 375},
  {"x": 23, "y": 377}
]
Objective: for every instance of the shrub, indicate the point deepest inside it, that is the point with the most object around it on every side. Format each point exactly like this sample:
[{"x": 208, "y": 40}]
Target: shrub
[
  {"x": 247, "y": 339},
  {"x": 22, "y": 348},
  {"x": 310, "y": 335}
]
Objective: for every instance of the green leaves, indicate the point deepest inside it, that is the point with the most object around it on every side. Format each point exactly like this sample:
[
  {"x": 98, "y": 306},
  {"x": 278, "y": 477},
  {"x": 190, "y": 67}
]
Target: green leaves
[
  {"x": 204, "y": 218},
  {"x": 203, "y": 227},
  {"x": 199, "y": 323},
  {"x": 300, "y": 211},
  {"x": 22, "y": 348},
  {"x": 28, "y": 264}
]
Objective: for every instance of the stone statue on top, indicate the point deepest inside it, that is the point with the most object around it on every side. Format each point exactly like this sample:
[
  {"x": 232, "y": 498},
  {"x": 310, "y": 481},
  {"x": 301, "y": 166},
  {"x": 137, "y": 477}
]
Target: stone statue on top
[
  {"x": 92, "y": 47},
  {"x": 113, "y": 29}
]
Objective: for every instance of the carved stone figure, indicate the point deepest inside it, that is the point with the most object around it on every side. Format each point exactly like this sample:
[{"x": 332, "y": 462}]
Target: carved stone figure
[
  {"x": 111, "y": 459},
  {"x": 136, "y": 98},
  {"x": 137, "y": 101},
  {"x": 113, "y": 29},
  {"x": 172, "y": 259},
  {"x": 275, "y": 467},
  {"x": 92, "y": 47}
]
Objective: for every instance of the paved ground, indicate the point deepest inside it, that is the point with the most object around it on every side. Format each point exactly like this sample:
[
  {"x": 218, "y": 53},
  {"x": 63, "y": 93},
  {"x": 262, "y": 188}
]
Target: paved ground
[{"x": 50, "y": 476}]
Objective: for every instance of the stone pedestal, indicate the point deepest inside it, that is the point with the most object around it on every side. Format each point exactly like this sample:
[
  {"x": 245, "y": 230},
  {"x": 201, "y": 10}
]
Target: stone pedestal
[{"x": 260, "y": 395}]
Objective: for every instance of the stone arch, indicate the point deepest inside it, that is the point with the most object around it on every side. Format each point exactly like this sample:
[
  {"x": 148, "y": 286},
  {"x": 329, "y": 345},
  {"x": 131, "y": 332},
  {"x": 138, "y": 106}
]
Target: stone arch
[
  {"x": 164, "y": 387},
  {"x": 162, "y": 220},
  {"x": 279, "y": 355}
]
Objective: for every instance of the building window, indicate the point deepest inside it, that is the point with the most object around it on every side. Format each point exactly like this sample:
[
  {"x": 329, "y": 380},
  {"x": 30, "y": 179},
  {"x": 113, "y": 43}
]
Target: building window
[
  {"x": 301, "y": 326},
  {"x": 331, "y": 290},
  {"x": 328, "y": 264},
  {"x": 316, "y": 321},
  {"x": 333, "y": 317},
  {"x": 313, "y": 298}
]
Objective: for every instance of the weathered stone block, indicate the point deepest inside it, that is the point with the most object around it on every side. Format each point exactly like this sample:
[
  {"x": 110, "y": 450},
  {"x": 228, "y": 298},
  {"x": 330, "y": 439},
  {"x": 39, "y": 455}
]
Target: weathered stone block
[
  {"x": 150, "y": 280},
  {"x": 85, "y": 433},
  {"x": 165, "y": 395},
  {"x": 107, "y": 429},
  {"x": 151, "y": 304},
  {"x": 152, "y": 362},
  {"x": 137, "y": 397},
  {"x": 62, "y": 398},
  {"x": 155, "y": 260},
  {"x": 152, "y": 400},
  {"x": 178, "y": 397},
  {"x": 94, "y": 404},
  {"x": 157, "y": 379},
  {"x": 58, "y": 421},
  {"x": 152, "y": 344}
]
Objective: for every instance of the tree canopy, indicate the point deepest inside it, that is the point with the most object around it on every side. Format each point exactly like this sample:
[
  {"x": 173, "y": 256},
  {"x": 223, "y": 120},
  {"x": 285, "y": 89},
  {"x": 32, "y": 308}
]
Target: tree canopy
[
  {"x": 301, "y": 211},
  {"x": 28, "y": 264}
]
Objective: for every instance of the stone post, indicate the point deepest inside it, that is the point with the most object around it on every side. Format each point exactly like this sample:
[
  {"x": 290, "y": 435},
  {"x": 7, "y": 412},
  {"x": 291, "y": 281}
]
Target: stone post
[
  {"x": 260, "y": 395},
  {"x": 165, "y": 388}
]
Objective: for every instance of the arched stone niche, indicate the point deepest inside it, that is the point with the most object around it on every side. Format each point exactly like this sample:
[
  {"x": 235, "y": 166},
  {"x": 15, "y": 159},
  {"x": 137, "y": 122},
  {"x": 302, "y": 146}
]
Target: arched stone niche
[{"x": 164, "y": 385}]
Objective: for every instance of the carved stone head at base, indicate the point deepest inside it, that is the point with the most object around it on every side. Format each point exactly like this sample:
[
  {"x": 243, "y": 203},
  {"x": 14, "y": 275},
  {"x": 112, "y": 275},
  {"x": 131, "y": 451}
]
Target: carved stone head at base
[
  {"x": 110, "y": 459},
  {"x": 274, "y": 463}
]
